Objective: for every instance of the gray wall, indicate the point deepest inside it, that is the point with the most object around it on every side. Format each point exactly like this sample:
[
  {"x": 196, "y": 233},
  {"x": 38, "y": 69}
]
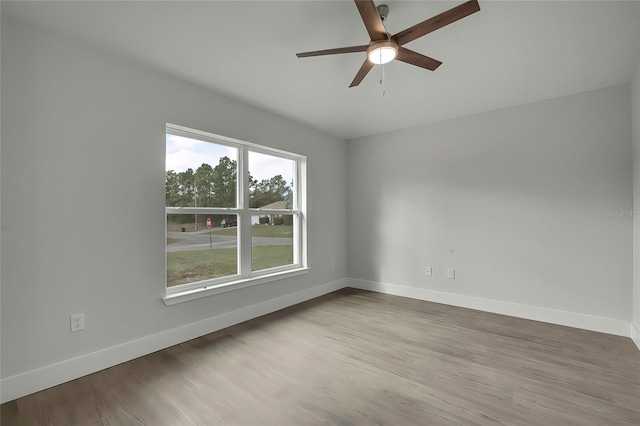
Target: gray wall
[
  {"x": 636, "y": 199},
  {"x": 515, "y": 200},
  {"x": 83, "y": 197}
]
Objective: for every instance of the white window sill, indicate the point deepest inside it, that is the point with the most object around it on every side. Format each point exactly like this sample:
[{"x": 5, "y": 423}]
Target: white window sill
[{"x": 197, "y": 293}]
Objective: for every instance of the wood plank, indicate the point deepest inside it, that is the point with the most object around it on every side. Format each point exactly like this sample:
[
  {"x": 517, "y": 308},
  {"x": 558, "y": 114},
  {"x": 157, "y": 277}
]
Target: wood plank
[{"x": 353, "y": 358}]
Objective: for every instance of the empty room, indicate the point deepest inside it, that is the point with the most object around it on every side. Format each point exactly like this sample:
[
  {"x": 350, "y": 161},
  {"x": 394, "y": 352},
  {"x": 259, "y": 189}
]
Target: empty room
[{"x": 320, "y": 212}]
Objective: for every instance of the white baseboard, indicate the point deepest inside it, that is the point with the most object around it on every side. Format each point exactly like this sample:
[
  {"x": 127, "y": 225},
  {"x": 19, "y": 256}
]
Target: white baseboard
[
  {"x": 51, "y": 375},
  {"x": 571, "y": 319},
  {"x": 635, "y": 334}
]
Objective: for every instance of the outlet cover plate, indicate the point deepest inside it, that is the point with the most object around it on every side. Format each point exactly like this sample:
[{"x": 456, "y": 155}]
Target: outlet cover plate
[{"x": 77, "y": 322}]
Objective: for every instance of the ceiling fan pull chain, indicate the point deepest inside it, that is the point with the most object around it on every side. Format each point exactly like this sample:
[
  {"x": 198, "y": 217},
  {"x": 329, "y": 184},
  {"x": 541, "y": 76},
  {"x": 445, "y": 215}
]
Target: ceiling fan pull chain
[{"x": 382, "y": 82}]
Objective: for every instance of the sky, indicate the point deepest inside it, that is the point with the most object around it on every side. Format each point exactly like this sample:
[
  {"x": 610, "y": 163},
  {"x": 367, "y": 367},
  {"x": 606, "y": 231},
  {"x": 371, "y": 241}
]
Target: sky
[{"x": 183, "y": 153}]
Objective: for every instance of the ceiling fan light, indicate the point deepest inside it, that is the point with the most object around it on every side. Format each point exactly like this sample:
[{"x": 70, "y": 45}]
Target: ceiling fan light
[{"x": 382, "y": 52}]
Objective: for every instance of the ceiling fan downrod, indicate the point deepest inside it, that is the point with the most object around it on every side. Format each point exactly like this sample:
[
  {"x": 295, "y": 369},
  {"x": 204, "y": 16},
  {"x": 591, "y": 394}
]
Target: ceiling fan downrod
[{"x": 383, "y": 11}]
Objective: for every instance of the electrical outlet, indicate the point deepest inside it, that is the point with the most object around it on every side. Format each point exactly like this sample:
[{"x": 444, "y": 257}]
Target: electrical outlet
[
  {"x": 428, "y": 271},
  {"x": 451, "y": 274},
  {"x": 77, "y": 322}
]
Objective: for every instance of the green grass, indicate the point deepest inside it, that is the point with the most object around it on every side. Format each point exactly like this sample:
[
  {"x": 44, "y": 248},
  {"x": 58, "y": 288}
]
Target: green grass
[
  {"x": 284, "y": 231},
  {"x": 197, "y": 265},
  {"x": 263, "y": 257}
]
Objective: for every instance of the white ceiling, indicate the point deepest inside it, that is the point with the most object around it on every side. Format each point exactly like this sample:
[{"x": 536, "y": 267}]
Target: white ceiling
[{"x": 509, "y": 53}]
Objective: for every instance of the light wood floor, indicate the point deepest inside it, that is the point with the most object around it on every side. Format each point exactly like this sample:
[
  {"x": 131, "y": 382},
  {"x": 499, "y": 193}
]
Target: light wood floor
[{"x": 361, "y": 358}]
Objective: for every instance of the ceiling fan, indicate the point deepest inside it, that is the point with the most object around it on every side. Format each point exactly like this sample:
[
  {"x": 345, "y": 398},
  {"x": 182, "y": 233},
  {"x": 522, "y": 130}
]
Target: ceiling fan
[{"x": 384, "y": 47}]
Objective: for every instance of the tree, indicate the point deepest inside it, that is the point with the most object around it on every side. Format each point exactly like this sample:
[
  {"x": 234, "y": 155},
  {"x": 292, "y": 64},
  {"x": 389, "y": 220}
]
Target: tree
[
  {"x": 186, "y": 189},
  {"x": 180, "y": 192},
  {"x": 204, "y": 186},
  {"x": 172, "y": 188},
  {"x": 269, "y": 191},
  {"x": 217, "y": 187},
  {"x": 224, "y": 180}
]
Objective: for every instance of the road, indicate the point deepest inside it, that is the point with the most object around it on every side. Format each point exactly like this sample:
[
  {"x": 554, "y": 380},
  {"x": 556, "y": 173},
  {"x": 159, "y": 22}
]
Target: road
[{"x": 184, "y": 241}]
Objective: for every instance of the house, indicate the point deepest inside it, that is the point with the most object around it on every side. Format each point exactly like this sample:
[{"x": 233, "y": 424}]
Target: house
[
  {"x": 275, "y": 205},
  {"x": 517, "y": 163}
]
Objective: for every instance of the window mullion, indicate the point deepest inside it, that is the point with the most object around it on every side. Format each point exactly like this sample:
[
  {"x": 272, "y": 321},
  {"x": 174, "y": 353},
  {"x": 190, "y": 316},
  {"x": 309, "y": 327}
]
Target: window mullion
[
  {"x": 190, "y": 199},
  {"x": 244, "y": 239},
  {"x": 300, "y": 240},
  {"x": 296, "y": 240}
]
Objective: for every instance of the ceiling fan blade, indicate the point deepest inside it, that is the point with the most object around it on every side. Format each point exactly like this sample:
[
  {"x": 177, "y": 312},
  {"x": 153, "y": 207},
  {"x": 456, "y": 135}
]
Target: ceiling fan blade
[
  {"x": 415, "y": 58},
  {"x": 371, "y": 20},
  {"x": 437, "y": 22},
  {"x": 336, "y": 51},
  {"x": 364, "y": 70}
]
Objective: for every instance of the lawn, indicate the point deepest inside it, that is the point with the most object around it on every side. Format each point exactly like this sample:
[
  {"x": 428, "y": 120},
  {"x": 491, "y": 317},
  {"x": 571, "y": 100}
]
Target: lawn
[
  {"x": 197, "y": 265},
  {"x": 284, "y": 231}
]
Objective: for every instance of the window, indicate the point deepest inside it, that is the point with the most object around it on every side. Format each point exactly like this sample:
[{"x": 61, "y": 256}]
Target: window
[{"x": 235, "y": 212}]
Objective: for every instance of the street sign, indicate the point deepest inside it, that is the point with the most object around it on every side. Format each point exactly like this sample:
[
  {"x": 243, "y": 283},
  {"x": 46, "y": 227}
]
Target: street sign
[{"x": 209, "y": 222}]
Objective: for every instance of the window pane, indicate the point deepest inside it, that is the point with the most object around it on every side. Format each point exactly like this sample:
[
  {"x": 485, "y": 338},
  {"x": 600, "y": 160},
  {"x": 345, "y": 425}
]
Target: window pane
[
  {"x": 203, "y": 253},
  {"x": 271, "y": 241},
  {"x": 271, "y": 181},
  {"x": 205, "y": 205},
  {"x": 200, "y": 174}
]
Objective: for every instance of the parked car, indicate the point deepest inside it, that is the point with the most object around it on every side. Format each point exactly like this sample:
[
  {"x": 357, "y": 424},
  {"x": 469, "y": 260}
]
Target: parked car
[{"x": 229, "y": 222}]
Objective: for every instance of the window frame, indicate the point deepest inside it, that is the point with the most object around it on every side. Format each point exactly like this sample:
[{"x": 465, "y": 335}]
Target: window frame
[{"x": 245, "y": 276}]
